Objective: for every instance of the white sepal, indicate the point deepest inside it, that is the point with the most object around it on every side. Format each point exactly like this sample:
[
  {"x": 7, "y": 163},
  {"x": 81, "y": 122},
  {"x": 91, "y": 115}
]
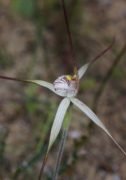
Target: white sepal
[
  {"x": 95, "y": 119},
  {"x": 43, "y": 83},
  {"x": 58, "y": 121},
  {"x": 82, "y": 70}
]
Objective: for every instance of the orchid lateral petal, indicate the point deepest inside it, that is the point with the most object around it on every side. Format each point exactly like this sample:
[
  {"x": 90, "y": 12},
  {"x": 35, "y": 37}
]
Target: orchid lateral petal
[
  {"x": 43, "y": 83},
  {"x": 95, "y": 119},
  {"x": 83, "y": 70},
  {"x": 58, "y": 121}
]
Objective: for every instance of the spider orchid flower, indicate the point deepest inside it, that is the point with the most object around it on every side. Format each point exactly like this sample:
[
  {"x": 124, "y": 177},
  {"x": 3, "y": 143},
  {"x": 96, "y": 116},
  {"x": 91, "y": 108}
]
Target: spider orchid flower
[{"x": 67, "y": 86}]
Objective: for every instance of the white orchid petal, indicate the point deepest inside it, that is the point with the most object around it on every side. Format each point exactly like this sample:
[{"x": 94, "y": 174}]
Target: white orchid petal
[
  {"x": 95, "y": 119},
  {"x": 82, "y": 70},
  {"x": 58, "y": 121},
  {"x": 43, "y": 83}
]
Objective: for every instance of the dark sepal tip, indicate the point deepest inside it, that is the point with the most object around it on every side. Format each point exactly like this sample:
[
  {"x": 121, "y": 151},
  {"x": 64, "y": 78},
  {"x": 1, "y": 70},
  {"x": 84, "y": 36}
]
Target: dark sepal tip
[
  {"x": 104, "y": 51},
  {"x": 12, "y": 79}
]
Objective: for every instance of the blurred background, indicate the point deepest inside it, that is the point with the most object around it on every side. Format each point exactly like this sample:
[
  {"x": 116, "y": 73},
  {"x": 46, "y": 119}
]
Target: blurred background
[{"x": 34, "y": 45}]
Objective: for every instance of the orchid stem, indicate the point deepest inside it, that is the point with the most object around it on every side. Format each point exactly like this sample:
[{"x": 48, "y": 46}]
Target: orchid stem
[{"x": 60, "y": 153}]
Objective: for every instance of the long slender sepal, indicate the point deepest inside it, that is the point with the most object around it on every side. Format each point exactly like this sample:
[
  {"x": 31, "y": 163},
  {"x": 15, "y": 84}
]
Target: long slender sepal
[
  {"x": 13, "y": 79},
  {"x": 95, "y": 119},
  {"x": 84, "y": 68},
  {"x": 103, "y": 52},
  {"x": 43, "y": 84},
  {"x": 58, "y": 121},
  {"x": 38, "y": 82},
  {"x": 69, "y": 35}
]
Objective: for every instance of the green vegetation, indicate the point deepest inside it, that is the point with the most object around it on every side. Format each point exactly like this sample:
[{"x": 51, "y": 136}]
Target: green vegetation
[
  {"x": 26, "y": 8},
  {"x": 88, "y": 84},
  {"x": 119, "y": 73}
]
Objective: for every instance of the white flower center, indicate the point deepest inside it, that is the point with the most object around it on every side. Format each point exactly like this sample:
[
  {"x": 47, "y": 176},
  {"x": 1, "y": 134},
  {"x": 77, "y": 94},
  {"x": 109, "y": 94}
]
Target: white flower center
[{"x": 66, "y": 85}]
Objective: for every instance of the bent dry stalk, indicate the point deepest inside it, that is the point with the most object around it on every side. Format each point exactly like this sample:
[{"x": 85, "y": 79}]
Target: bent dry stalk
[{"x": 67, "y": 86}]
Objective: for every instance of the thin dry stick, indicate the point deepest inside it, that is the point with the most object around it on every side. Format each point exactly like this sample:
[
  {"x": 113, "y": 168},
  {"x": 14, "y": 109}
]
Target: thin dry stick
[
  {"x": 45, "y": 158},
  {"x": 42, "y": 167},
  {"x": 107, "y": 77}
]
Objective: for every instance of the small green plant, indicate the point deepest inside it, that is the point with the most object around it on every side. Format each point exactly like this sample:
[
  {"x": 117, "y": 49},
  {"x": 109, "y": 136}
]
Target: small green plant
[{"x": 26, "y": 8}]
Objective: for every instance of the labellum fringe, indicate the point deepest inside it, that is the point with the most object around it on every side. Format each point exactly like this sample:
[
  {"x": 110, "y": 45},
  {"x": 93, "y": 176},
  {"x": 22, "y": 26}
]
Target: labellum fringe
[{"x": 66, "y": 85}]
